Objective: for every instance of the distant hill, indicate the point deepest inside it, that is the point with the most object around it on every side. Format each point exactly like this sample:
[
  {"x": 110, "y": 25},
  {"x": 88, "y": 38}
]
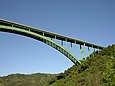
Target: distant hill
[
  {"x": 96, "y": 70},
  {"x": 37, "y": 79}
]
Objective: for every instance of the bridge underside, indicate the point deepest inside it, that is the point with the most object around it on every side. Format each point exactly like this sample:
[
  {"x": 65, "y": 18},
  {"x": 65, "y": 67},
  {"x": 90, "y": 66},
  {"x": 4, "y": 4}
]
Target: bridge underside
[
  {"x": 45, "y": 37},
  {"x": 41, "y": 38}
]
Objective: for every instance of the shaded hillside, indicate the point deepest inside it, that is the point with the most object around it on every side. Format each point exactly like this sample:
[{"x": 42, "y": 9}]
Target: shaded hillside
[
  {"x": 96, "y": 70},
  {"x": 26, "y": 80}
]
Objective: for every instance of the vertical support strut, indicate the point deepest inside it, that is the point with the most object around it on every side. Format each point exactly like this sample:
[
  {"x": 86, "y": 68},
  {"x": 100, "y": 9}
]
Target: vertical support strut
[
  {"x": 67, "y": 47},
  {"x": 84, "y": 50},
  {"x": 80, "y": 51},
  {"x": 98, "y": 50},
  {"x": 88, "y": 52},
  {"x": 61, "y": 42},
  {"x": 71, "y": 44},
  {"x": 43, "y": 34},
  {"x": 66, "y": 43},
  {"x": 93, "y": 51},
  {"x": 74, "y": 47},
  {"x": 55, "y": 39},
  {"x": 70, "y": 47}
]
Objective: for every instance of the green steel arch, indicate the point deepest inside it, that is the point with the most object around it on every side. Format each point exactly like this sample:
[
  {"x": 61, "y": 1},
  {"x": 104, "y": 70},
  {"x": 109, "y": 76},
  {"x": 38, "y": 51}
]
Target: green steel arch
[{"x": 48, "y": 41}]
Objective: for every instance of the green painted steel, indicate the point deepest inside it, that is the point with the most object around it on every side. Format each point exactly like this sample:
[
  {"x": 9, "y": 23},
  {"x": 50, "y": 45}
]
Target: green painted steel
[
  {"x": 88, "y": 51},
  {"x": 84, "y": 50},
  {"x": 42, "y": 38},
  {"x": 50, "y": 34}
]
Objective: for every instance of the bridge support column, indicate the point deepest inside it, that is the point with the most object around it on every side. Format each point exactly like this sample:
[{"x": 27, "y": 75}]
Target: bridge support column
[
  {"x": 66, "y": 44},
  {"x": 62, "y": 42},
  {"x": 88, "y": 52},
  {"x": 55, "y": 38},
  {"x": 94, "y": 51},
  {"x": 70, "y": 47},
  {"x": 43, "y": 34},
  {"x": 80, "y": 51},
  {"x": 84, "y": 51},
  {"x": 71, "y": 44}
]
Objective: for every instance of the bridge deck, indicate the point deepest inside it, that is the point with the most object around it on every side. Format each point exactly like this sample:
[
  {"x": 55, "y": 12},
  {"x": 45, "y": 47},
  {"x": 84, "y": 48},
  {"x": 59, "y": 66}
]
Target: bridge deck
[{"x": 49, "y": 34}]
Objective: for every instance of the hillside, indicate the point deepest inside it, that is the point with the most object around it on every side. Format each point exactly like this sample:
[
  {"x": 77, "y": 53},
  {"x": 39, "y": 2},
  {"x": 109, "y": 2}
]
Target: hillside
[
  {"x": 96, "y": 70},
  {"x": 37, "y": 79}
]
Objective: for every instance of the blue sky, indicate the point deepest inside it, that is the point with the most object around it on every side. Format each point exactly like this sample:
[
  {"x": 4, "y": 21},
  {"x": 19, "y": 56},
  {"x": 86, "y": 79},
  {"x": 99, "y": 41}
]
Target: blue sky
[{"x": 89, "y": 20}]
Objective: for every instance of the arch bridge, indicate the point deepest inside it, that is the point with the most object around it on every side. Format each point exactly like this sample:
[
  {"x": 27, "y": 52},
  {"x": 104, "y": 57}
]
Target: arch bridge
[{"x": 48, "y": 38}]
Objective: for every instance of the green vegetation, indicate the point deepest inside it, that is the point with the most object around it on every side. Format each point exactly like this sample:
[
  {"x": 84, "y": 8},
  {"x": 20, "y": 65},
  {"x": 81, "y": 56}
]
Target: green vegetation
[
  {"x": 96, "y": 70},
  {"x": 37, "y": 79}
]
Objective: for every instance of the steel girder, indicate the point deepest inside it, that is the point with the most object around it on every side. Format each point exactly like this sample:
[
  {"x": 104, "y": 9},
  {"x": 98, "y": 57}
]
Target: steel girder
[{"x": 48, "y": 41}]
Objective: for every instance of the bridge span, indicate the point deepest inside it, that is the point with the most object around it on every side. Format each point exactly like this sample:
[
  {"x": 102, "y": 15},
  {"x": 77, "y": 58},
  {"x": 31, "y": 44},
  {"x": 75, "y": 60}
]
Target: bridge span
[{"x": 48, "y": 38}]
